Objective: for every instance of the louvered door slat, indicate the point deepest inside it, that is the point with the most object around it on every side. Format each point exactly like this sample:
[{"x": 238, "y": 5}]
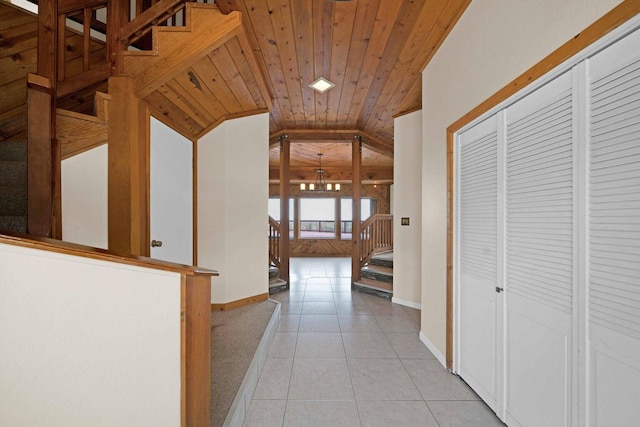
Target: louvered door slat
[
  {"x": 478, "y": 204},
  {"x": 614, "y": 199},
  {"x": 539, "y": 203}
]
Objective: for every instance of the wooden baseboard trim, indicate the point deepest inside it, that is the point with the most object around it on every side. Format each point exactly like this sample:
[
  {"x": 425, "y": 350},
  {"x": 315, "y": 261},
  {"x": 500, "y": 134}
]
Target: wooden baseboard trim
[{"x": 240, "y": 303}]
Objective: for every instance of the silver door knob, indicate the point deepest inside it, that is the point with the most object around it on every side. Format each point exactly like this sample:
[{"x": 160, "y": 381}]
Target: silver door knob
[{"x": 156, "y": 243}]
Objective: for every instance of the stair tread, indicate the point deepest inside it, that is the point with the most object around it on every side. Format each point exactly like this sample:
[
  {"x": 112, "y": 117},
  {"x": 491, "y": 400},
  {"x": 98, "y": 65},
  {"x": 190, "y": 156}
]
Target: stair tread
[
  {"x": 377, "y": 269},
  {"x": 374, "y": 284},
  {"x": 382, "y": 259},
  {"x": 387, "y": 256}
]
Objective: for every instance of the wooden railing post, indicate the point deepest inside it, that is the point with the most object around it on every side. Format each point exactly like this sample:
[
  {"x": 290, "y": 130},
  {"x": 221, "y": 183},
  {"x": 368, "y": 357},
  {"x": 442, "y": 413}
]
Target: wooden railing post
[
  {"x": 356, "y": 162},
  {"x": 40, "y": 156},
  {"x": 285, "y": 154}
]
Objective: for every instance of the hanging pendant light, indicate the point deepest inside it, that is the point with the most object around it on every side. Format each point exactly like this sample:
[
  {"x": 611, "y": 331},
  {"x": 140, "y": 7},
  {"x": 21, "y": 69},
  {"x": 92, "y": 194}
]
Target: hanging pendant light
[{"x": 320, "y": 185}]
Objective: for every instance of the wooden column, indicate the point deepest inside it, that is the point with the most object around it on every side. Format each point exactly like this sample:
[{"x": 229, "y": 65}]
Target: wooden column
[
  {"x": 39, "y": 156},
  {"x": 128, "y": 170},
  {"x": 43, "y": 162},
  {"x": 356, "y": 163},
  {"x": 285, "y": 155}
]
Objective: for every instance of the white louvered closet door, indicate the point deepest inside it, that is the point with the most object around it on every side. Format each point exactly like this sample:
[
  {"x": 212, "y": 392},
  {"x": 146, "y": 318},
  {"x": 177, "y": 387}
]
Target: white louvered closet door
[
  {"x": 477, "y": 192},
  {"x": 539, "y": 256},
  {"x": 613, "y": 257}
]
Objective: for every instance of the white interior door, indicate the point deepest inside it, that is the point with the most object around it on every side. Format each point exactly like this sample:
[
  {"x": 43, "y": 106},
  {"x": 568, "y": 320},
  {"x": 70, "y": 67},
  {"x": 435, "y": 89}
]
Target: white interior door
[
  {"x": 539, "y": 256},
  {"x": 613, "y": 315},
  {"x": 477, "y": 273},
  {"x": 171, "y": 194}
]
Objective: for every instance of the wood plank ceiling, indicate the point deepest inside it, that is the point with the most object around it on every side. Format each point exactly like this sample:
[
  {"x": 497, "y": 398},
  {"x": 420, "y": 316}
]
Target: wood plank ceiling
[{"x": 372, "y": 50}]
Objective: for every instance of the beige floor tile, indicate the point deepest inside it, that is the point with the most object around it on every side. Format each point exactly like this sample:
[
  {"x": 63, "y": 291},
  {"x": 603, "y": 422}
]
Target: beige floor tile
[
  {"x": 318, "y": 296},
  {"x": 381, "y": 379},
  {"x": 274, "y": 379},
  {"x": 320, "y": 379},
  {"x": 289, "y": 323},
  {"x": 283, "y": 345},
  {"x": 313, "y": 413},
  {"x": 395, "y": 413},
  {"x": 320, "y": 344},
  {"x": 396, "y": 323},
  {"x": 436, "y": 383},
  {"x": 319, "y": 323},
  {"x": 265, "y": 413},
  {"x": 408, "y": 345},
  {"x": 313, "y": 307},
  {"x": 367, "y": 346},
  {"x": 463, "y": 414},
  {"x": 291, "y": 307},
  {"x": 358, "y": 323}
]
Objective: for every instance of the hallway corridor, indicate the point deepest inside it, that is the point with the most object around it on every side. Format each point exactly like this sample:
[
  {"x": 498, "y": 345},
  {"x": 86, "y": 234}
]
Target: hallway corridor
[{"x": 343, "y": 358}]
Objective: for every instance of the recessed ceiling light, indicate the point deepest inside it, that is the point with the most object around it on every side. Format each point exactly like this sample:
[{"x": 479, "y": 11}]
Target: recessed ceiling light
[{"x": 321, "y": 85}]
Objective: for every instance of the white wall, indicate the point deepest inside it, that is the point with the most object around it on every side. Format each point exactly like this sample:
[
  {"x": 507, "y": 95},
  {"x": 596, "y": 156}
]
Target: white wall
[
  {"x": 494, "y": 42},
  {"x": 407, "y": 154},
  {"x": 84, "y": 198},
  {"x": 87, "y": 342},
  {"x": 171, "y": 194},
  {"x": 233, "y": 193}
]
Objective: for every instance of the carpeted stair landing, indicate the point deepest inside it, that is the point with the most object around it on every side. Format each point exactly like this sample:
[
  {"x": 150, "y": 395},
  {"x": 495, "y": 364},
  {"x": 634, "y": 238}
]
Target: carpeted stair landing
[{"x": 239, "y": 339}]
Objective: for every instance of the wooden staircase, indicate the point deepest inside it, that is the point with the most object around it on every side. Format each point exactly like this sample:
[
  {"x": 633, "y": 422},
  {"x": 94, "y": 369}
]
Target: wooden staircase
[
  {"x": 13, "y": 186},
  {"x": 276, "y": 284},
  {"x": 376, "y": 277}
]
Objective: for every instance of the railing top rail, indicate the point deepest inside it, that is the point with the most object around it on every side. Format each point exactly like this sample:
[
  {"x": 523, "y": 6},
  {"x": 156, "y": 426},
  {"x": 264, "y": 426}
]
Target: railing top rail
[
  {"x": 58, "y": 246},
  {"x": 375, "y": 217},
  {"x": 273, "y": 222}
]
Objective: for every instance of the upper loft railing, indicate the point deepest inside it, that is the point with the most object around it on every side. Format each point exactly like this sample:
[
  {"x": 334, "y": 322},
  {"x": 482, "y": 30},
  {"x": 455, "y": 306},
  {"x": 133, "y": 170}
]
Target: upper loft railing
[{"x": 376, "y": 235}]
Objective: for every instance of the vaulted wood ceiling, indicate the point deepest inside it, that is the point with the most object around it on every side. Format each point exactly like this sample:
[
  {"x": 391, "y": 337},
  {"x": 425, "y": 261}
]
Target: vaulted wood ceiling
[{"x": 372, "y": 50}]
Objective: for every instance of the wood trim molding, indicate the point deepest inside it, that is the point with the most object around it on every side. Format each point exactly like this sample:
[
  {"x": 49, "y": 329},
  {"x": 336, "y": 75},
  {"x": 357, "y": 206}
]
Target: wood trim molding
[
  {"x": 239, "y": 303},
  {"x": 607, "y": 23},
  {"x": 58, "y": 246}
]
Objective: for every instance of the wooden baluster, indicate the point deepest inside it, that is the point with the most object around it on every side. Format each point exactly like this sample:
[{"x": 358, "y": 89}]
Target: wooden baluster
[{"x": 86, "y": 38}]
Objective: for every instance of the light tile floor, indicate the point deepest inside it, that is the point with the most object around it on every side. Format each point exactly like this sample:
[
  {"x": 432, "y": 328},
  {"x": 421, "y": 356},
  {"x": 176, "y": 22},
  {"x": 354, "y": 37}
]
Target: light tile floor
[{"x": 343, "y": 358}]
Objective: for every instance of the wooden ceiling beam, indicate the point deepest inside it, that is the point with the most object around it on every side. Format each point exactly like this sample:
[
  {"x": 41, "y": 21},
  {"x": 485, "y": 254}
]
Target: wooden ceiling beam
[
  {"x": 333, "y": 174},
  {"x": 371, "y": 141}
]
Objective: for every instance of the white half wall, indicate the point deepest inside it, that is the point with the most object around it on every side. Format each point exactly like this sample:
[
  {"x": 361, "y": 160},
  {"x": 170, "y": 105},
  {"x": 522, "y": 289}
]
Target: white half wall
[
  {"x": 84, "y": 198},
  {"x": 407, "y": 155},
  {"x": 87, "y": 342},
  {"x": 493, "y": 43},
  {"x": 233, "y": 194}
]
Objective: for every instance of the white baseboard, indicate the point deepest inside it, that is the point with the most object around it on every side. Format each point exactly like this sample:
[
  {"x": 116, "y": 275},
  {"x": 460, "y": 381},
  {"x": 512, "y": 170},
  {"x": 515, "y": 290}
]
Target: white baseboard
[
  {"x": 407, "y": 303},
  {"x": 441, "y": 357}
]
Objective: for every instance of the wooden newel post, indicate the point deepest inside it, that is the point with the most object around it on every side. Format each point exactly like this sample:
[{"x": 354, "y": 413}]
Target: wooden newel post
[{"x": 285, "y": 190}]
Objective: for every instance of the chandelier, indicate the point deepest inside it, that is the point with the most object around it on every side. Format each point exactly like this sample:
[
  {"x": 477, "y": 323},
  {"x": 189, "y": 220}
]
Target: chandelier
[{"x": 320, "y": 184}]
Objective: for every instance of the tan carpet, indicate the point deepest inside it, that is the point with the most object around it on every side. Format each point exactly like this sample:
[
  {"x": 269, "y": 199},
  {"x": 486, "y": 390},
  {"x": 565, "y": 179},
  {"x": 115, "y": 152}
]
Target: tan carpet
[{"x": 235, "y": 336}]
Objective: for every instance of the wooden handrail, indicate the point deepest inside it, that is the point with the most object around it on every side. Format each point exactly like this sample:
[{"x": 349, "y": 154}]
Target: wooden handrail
[
  {"x": 376, "y": 235},
  {"x": 274, "y": 242},
  {"x": 58, "y": 246},
  {"x": 142, "y": 23}
]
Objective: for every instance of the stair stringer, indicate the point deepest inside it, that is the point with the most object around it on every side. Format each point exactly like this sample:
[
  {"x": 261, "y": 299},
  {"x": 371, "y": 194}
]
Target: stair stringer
[
  {"x": 78, "y": 132},
  {"x": 177, "y": 48}
]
